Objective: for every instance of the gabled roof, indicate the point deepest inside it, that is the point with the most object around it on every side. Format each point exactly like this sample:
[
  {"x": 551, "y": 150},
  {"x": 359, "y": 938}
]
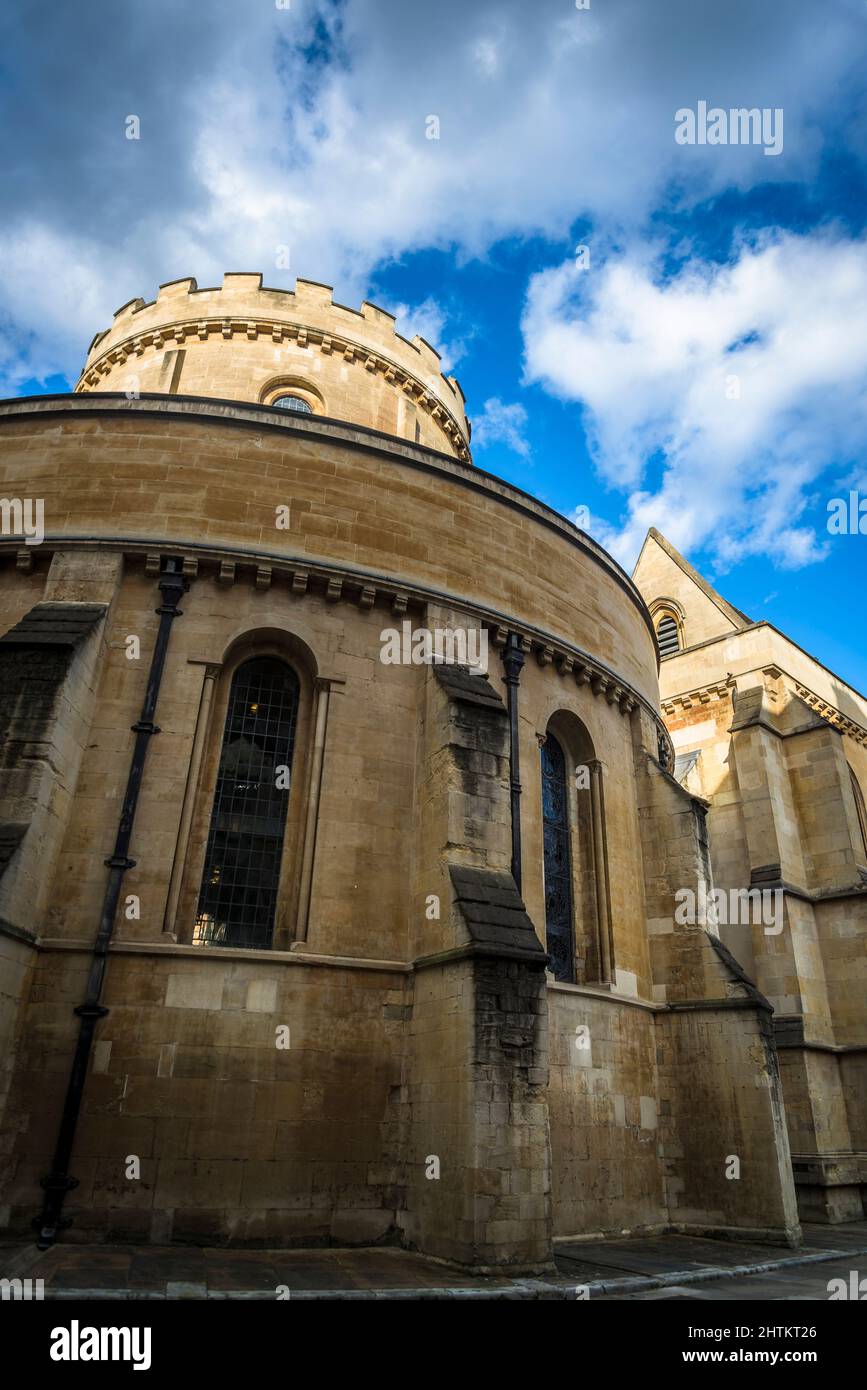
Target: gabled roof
[{"x": 734, "y": 615}]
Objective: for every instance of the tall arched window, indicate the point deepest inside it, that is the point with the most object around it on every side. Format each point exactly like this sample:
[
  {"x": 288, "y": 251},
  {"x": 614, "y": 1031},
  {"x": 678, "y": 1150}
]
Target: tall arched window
[
  {"x": 238, "y": 896},
  {"x": 558, "y": 861}
]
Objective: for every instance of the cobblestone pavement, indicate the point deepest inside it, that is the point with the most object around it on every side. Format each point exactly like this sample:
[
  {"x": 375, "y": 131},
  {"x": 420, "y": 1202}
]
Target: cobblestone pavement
[{"x": 661, "y": 1267}]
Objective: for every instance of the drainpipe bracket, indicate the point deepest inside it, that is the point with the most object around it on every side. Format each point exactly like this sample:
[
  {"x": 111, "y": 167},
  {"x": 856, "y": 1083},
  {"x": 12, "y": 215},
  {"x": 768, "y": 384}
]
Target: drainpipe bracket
[
  {"x": 55, "y": 1182},
  {"x": 90, "y": 1010}
]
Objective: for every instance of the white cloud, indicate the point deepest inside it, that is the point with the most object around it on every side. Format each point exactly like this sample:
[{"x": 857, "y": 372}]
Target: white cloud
[
  {"x": 306, "y": 127},
  {"x": 746, "y": 380},
  {"x": 501, "y": 424},
  {"x": 487, "y": 56},
  {"x": 52, "y": 287},
  {"x": 427, "y": 319}
]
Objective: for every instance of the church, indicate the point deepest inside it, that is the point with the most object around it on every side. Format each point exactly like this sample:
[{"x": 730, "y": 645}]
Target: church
[
  {"x": 343, "y": 950},
  {"x": 776, "y": 745}
]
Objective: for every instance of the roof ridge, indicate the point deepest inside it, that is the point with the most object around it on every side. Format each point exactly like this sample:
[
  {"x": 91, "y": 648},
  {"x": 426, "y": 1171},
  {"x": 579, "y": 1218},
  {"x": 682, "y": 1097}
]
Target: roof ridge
[{"x": 734, "y": 615}]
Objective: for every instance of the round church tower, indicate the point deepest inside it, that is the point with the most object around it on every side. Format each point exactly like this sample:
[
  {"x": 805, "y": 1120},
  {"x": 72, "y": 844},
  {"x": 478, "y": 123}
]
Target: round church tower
[
  {"x": 295, "y": 349},
  {"x": 330, "y": 749}
]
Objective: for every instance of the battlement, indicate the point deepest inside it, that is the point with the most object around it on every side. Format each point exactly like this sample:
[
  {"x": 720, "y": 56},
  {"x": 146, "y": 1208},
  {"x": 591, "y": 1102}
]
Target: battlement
[{"x": 242, "y": 304}]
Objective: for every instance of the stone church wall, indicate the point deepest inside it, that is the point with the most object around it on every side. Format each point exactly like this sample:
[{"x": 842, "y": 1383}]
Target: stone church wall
[{"x": 427, "y": 1088}]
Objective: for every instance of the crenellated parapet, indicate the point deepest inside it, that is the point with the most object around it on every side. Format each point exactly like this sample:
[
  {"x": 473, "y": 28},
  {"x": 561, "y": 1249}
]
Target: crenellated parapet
[{"x": 244, "y": 341}]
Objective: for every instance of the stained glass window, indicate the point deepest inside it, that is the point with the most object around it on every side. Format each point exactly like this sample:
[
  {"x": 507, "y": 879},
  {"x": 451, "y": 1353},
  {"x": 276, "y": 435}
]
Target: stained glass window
[
  {"x": 238, "y": 897},
  {"x": 558, "y": 861}
]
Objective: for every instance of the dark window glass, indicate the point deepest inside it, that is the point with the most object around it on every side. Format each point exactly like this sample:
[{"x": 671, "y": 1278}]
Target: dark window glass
[
  {"x": 238, "y": 898},
  {"x": 294, "y": 403},
  {"x": 666, "y": 636},
  {"x": 558, "y": 861}
]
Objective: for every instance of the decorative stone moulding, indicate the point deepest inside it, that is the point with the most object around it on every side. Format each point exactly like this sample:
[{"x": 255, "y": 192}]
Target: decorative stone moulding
[
  {"x": 567, "y": 664},
  {"x": 704, "y": 695},
  {"x": 366, "y": 592},
  {"x": 832, "y": 715},
  {"x": 176, "y": 316}
]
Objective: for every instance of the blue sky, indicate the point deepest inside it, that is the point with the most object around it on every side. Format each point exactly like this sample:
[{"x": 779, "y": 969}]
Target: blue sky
[{"x": 605, "y": 385}]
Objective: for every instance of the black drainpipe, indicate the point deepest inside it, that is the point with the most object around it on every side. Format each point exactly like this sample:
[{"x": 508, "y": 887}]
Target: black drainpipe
[
  {"x": 58, "y": 1182},
  {"x": 513, "y": 661}
]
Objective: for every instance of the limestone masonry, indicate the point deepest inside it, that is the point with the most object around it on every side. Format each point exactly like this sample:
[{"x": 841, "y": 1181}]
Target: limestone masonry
[
  {"x": 777, "y": 746},
  {"x": 349, "y": 950}
]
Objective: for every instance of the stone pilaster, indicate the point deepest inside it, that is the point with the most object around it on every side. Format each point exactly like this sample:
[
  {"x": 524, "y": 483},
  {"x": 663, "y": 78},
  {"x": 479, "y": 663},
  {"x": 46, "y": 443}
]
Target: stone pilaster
[{"x": 478, "y": 1165}]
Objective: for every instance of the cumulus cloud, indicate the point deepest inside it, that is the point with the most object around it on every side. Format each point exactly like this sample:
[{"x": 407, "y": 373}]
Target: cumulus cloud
[
  {"x": 501, "y": 424},
  {"x": 306, "y": 128},
  {"x": 715, "y": 397},
  {"x": 429, "y": 320}
]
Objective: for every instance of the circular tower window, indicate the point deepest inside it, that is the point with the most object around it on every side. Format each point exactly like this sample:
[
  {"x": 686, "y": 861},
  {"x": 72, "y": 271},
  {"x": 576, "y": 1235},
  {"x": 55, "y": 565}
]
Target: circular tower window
[{"x": 293, "y": 403}]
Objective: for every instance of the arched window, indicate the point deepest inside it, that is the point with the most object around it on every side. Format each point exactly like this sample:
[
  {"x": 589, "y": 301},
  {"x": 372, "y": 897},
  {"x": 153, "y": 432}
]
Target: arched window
[
  {"x": 238, "y": 896},
  {"x": 558, "y": 861},
  {"x": 667, "y": 635},
  {"x": 296, "y": 403}
]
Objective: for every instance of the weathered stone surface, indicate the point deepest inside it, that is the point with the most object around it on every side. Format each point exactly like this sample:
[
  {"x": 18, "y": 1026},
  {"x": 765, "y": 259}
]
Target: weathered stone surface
[
  {"x": 493, "y": 911},
  {"x": 777, "y": 745},
  {"x": 60, "y": 625},
  {"x": 399, "y": 1067}
]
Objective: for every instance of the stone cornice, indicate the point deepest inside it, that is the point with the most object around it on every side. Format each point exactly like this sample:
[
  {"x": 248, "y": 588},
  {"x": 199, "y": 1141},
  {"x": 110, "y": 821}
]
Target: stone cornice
[
  {"x": 831, "y": 714},
  {"x": 303, "y": 575},
  {"x": 750, "y": 630},
  {"x": 718, "y": 690},
  {"x": 701, "y": 695},
  {"x": 244, "y": 415},
  {"x": 352, "y": 350}
]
